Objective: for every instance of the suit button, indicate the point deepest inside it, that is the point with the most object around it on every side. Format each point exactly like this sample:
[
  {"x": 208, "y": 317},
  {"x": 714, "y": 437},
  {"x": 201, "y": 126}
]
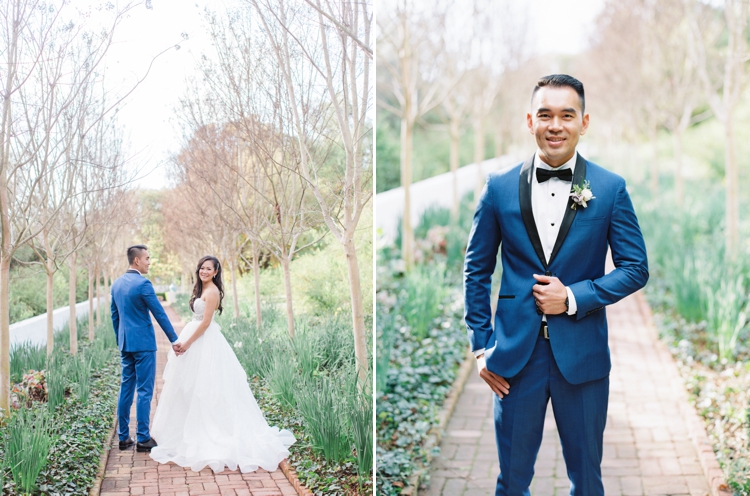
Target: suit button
[{"x": 548, "y": 274}]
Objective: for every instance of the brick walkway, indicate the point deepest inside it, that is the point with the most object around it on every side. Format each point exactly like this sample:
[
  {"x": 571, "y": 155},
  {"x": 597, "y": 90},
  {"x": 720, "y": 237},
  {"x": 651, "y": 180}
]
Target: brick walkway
[
  {"x": 647, "y": 449},
  {"x": 130, "y": 472}
]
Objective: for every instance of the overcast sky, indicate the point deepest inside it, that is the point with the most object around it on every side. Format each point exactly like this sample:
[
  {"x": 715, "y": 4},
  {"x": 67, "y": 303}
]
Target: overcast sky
[{"x": 557, "y": 26}]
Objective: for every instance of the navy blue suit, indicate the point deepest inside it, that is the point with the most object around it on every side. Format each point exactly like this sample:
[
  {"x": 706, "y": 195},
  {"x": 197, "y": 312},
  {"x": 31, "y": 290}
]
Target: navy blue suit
[
  {"x": 572, "y": 367},
  {"x": 133, "y": 296}
]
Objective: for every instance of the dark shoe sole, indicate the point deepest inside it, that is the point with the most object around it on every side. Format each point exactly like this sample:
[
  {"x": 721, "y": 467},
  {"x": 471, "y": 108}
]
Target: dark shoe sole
[
  {"x": 126, "y": 446},
  {"x": 143, "y": 450}
]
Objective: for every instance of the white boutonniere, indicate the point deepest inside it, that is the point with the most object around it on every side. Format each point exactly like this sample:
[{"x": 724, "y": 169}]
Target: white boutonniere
[{"x": 581, "y": 194}]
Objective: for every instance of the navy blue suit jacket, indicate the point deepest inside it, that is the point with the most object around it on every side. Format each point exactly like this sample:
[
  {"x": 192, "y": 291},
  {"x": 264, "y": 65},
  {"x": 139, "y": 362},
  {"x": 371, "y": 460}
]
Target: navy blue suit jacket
[
  {"x": 504, "y": 217},
  {"x": 132, "y": 297}
]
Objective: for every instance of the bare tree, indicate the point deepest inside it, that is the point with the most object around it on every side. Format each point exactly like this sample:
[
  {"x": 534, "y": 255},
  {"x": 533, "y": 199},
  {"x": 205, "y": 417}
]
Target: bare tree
[
  {"x": 338, "y": 58},
  {"x": 41, "y": 41},
  {"x": 722, "y": 86},
  {"x": 409, "y": 86}
]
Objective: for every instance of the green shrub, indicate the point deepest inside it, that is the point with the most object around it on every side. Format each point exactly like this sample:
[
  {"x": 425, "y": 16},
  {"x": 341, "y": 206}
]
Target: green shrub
[
  {"x": 28, "y": 291},
  {"x": 25, "y": 357},
  {"x": 81, "y": 370},
  {"x": 424, "y": 294},
  {"x": 27, "y": 447},
  {"x": 336, "y": 342},
  {"x": 305, "y": 346},
  {"x": 322, "y": 407},
  {"x": 57, "y": 371},
  {"x": 727, "y": 314},
  {"x": 283, "y": 380},
  {"x": 360, "y": 414},
  {"x": 386, "y": 338}
]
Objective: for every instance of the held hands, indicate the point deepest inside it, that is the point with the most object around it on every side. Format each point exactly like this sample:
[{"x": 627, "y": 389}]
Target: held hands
[
  {"x": 550, "y": 295},
  {"x": 498, "y": 384},
  {"x": 180, "y": 348}
]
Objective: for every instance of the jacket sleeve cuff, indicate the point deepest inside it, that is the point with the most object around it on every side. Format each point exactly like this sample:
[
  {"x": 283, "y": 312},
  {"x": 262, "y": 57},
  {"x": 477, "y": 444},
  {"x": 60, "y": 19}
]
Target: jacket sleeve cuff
[{"x": 478, "y": 352}]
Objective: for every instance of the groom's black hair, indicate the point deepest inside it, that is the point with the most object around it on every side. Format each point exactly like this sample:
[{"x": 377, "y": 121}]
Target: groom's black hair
[
  {"x": 134, "y": 252},
  {"x": 560, "y": 81}
]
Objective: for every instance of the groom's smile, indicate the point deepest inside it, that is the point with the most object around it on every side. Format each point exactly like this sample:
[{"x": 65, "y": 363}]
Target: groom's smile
[{"x": 557, "y": 121}]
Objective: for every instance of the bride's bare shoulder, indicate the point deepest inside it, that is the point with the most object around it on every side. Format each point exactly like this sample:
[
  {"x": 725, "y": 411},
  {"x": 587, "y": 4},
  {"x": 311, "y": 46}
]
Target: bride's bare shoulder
[{"x": 212, "y": 293}]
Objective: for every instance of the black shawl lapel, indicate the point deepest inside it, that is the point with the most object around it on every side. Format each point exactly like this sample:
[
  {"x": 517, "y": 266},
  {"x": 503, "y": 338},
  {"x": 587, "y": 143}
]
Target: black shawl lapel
[
  {"x": 524, "y": 198},
  {"x": 579, "y": 175}
]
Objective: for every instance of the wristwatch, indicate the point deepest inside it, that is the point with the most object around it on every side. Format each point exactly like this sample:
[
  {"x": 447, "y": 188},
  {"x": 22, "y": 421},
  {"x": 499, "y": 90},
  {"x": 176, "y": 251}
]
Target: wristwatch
[{"x": 567, "y": 304}]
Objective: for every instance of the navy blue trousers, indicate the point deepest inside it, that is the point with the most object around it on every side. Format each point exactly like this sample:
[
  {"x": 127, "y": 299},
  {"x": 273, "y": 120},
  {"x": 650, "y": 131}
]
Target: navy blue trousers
[
  {"x": 580, "y": 414},
  {"x": 138, "y": 372}
]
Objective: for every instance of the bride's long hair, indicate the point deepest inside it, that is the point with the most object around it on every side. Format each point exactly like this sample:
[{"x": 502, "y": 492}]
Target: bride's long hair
[{"x": 198, "y": 288}]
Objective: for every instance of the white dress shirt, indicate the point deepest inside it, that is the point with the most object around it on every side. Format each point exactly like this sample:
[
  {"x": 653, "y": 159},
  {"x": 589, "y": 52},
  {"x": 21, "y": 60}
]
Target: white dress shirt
[{"x": 548, "y": 203}]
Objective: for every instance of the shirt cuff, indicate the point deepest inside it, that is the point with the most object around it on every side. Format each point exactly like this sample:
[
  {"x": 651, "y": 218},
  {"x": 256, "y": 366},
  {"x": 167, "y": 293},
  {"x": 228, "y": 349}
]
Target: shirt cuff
[
  {"x": 572, "y": 306},
  {"x": 478, "y": 352}
]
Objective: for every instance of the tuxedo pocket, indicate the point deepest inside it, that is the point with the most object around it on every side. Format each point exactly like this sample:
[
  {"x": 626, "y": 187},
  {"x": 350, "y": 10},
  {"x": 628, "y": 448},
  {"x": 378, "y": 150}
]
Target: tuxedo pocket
[{"x": 505, "y": 297}]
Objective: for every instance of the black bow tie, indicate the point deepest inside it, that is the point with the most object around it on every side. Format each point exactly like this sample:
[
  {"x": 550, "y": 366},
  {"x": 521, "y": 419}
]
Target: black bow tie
[{"x": 545, "y": 174}]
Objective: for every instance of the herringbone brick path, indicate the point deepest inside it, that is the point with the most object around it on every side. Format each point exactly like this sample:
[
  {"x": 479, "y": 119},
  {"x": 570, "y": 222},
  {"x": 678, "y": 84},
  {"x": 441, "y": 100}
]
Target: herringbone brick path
[
  {"x": 647, "y": 448},
  {"x": 130, "y": 472}
]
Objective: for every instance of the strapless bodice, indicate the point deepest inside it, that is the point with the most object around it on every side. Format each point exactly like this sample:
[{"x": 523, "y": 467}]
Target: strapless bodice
[{"x": 199, "y": 308}]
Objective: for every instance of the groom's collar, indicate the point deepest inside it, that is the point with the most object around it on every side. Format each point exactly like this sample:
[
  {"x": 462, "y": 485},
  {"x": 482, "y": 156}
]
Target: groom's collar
[
  {"x": 570, "y": 164},
  {"x": 134, "y": 271}
]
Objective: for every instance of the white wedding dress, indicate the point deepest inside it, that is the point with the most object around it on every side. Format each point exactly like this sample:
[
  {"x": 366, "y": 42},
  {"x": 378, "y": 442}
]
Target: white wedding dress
[{"x": 207, "y": 415}]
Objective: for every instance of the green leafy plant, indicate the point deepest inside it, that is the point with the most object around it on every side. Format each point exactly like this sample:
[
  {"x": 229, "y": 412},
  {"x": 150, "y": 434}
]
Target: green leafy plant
[
  {"x": 359, "y": 400},
  {"x": 305, "y": 346},
  {"x": 424, "y": 293},
  {"x": 283, "y": 380},
  {"x": 320, "y": 404},
  {"x": 57, "y": 371},
  {"x": 81, "y": 369},
  {"x": 28, "y": 446},
  {"x": 24, "y": 357},
  {"x": 727, "y": 314}
]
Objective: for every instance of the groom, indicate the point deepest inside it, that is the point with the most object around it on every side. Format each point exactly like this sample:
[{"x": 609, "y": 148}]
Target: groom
[
  {"x": 133, "y": 297},
  {"x": 555, "y": 216}
]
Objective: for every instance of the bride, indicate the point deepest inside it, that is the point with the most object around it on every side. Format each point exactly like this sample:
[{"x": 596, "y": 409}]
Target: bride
[{"x": 206, "y": 414}]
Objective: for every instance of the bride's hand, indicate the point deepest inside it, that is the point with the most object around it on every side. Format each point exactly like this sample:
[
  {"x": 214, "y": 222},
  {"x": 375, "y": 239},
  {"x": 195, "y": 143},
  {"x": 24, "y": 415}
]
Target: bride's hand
[{"x": 184, "y": 347}]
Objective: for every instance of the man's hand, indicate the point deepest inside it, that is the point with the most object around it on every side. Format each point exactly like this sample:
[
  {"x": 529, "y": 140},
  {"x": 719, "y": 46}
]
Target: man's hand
[
  {"x": 177, "y": 347},
  {"x": 550, "y": 295},
  {"x": 498, "y": 384}
]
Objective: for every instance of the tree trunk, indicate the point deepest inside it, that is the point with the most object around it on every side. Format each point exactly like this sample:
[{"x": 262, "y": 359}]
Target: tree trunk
[
  {"x": 285, "y": 263},
  {"x": 72, "y": 322},
  {"x": 91, "y": 304},
  {"x": 256, "y": 277},
  {"x": 732, "y": 196},
  {"x": 654, "y": 164},
  {"x": 5, "y": 327},
  {"x": 678, "y": 180},
  {"x": 358, "y": 314},
  {"x": 98, "y": 297},
  {"x": 499, "y": 142},
  {"x": 107, "y": 285},
  {"x": 455, "y": 137},
  {"x": 407, "y": 236},
  {"x": 50, "y": 307},
  {"x": 233, "y": 268},
  {"x": 478, "y": 127}
]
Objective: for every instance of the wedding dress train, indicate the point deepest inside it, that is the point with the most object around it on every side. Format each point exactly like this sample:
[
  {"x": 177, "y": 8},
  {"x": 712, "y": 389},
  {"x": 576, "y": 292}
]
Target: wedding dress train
[{"x": 207, "y": 414}]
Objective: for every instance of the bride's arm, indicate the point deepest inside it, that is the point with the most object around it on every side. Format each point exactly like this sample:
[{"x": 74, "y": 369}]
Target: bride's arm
[{"x": 212, "y": 302}]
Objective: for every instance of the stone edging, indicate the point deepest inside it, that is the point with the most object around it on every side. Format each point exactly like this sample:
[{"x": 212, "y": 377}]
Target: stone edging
[
  {"x": 696, "y": 427},
  {"x": 291, "y": 476},
  {"x": 436, "y": 433}
]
